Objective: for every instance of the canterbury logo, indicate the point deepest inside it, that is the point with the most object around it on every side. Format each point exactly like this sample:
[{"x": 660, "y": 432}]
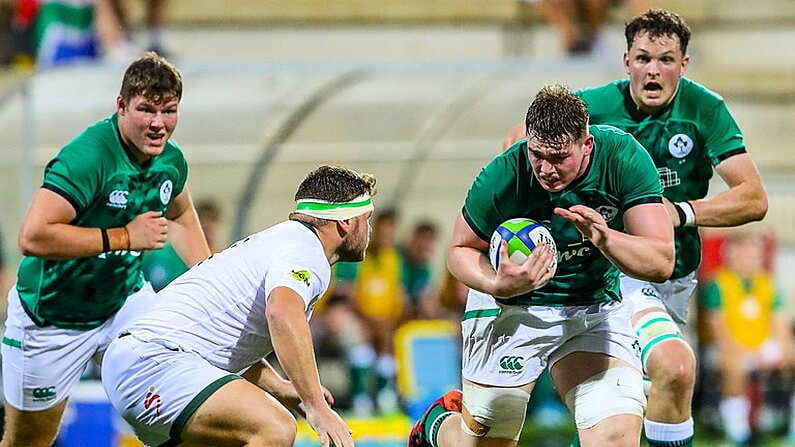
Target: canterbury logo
[
  {"x": 649, "y": 292},
  {"x": 118, "y": 198},
  {"x": 44, "y": 394},
  {"x": 512, "y": 363}
]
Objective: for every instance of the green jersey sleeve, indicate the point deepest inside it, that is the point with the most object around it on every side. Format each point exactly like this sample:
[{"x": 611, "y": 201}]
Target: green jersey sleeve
[
  {"x": 723, "y": 135},
  {"x": 76, "y": 172},
  {"x": 642, "y": 185}
]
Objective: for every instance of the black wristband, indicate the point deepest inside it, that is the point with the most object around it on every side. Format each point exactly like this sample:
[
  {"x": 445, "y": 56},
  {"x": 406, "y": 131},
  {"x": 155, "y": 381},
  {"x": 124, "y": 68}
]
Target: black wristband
[
  {"x": 105, "y": 240},
  {"x": 681, "y": 213}
]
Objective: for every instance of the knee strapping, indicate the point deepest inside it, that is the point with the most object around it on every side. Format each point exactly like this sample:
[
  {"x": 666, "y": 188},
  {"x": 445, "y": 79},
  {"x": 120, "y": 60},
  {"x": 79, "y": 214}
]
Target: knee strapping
[
  {"x": 615, "y": 391},
  {"x": 502, "y": 410},
  {"x": 653, "y": 328}
]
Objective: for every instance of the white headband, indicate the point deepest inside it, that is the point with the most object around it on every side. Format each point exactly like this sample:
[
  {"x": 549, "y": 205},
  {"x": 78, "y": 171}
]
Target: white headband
[{"x": 335, "y": 210}]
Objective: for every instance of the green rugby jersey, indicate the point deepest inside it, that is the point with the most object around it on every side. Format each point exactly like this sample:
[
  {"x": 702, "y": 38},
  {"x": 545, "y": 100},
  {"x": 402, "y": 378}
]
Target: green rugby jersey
[
  {"x": 620, "y": 175},
  {"x": 686, "y": 139},
  {"x": 108, "y": 188}
]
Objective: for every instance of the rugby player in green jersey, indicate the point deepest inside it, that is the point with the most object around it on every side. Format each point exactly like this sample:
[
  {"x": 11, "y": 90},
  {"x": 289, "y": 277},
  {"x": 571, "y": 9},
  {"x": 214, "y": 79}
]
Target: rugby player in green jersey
[
  {"x": 688, "y": 131},
  {"x": 520, "y": 318},
  {"x": 114, "y": 191}
]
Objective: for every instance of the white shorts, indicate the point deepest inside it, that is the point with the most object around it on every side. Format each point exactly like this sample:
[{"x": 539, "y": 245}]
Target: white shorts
[
  {"x": 507, "y": 345},
  {"x": 157, "y": 387},
  {"x": 41, "y": 364},
  {"x": 672, "y": 295}
]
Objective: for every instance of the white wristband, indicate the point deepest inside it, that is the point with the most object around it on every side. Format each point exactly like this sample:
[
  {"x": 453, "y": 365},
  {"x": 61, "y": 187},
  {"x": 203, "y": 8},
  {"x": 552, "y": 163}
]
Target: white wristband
[{"x": 690, "y": 214}]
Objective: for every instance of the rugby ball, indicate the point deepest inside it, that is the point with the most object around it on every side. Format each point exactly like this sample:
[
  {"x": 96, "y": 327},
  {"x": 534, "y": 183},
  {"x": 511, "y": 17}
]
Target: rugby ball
[{"x": 522, "y": 237}]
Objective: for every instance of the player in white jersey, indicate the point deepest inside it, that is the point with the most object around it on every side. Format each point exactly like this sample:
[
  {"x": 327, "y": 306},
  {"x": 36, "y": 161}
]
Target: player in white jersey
[{"x": 173, "y": 373}]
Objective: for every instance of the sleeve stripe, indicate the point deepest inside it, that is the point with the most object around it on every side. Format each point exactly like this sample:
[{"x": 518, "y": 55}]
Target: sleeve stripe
[
  {"x": 473, "y": 226},
  {"x": 63, "y": 194},
  {"x": 731, "y": 153},
  {"x": 643, "y": 200}
]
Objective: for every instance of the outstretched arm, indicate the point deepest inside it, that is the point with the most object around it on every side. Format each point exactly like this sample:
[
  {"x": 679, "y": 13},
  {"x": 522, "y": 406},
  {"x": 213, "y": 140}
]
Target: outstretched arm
[{"x": 292, "y": 342}]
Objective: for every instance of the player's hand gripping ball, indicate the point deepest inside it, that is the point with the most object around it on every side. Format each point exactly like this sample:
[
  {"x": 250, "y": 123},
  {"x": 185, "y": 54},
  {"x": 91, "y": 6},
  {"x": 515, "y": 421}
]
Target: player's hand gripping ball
[{"x": 522, "y": 237}]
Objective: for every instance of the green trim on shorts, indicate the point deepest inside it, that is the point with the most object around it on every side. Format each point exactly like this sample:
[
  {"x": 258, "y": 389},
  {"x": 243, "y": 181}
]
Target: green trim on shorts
[
  {"x": 14, "y": 343},
  {"x": 654, "y": 342},
  {"x": 179, "y": 424},
  {"x": 481, "y": 313}
]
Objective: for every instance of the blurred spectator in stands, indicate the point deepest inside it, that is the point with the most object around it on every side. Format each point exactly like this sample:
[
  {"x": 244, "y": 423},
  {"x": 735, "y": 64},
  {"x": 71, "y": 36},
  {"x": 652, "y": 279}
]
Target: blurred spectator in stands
[
  {"x": 580, "y": 23},
  {"x": 340, "y": 333},
  {"x": 380, "y": 298},
  {"x": 417, "y": 254},
  {"x": 118, "y": 34},
  {"x": 6, "y": 30},
  {"x": 163, "y": 266},
  {"x": 114, "y": 40},
  {"x": 749, "y": 329}
]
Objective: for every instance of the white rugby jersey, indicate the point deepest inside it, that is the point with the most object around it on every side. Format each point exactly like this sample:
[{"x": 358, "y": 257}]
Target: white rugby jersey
[{"x": 217, "y": 308}]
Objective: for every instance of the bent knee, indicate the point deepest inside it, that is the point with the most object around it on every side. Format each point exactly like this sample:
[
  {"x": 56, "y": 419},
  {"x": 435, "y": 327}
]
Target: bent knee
[
  {"x": 493, "y": 412},
  {"x": 280, "y": 431},
  {"x": 672, "y": 363},
  {"x": 613, "y": 393}
]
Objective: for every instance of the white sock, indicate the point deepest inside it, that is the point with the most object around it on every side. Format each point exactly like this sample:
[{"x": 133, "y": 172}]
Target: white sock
[
  {"x": 661, "y": 431},
  {"x": 734, "y": 412}
]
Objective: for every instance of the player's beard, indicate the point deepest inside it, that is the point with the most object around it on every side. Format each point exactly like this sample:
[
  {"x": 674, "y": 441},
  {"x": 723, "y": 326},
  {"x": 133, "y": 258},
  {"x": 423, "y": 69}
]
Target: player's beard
[
  {"x": 354, "y": 247},
  {"x": 350, "y": 253}
]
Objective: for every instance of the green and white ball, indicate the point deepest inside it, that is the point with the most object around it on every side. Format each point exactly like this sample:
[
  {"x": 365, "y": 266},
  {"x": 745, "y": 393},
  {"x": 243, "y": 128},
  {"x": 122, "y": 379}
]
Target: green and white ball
[{"x": 522, "y": 236}]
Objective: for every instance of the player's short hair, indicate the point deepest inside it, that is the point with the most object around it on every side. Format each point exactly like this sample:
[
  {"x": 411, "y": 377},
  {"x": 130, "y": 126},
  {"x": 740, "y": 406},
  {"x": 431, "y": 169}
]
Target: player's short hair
[
  {"x": 332, "y": 184},
  {"x": 658, "y": 23},
  {"x": 153, "y": 77},
  {"x": 556, "y": 117}
]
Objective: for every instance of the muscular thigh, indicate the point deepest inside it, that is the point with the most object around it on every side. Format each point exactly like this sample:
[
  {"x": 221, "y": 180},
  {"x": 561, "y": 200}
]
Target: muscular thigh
[
  {"x": 157, "y": 387},
  {"x": 233, "y": 414}
]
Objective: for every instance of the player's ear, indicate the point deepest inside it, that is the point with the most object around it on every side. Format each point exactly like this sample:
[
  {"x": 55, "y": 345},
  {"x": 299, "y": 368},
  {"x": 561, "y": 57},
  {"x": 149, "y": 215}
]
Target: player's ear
[
  {"x": 685, "y": 63},
  {"x": 344, "y": 226},
  {"x": 587, "y": 145},
  {"x": 121, "y": 106},
  {"x": 626, "y": 62}
]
